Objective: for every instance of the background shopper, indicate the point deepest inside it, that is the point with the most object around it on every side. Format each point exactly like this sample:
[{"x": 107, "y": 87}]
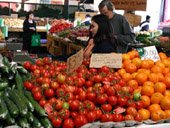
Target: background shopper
[{"x": 145, "y": 24}]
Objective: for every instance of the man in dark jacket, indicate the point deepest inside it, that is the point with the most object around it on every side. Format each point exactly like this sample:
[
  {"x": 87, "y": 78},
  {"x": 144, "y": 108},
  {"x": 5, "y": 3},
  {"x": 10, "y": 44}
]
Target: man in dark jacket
[
  {"x": 145, "y": 24},
  {"x": 121, "y": 28}
]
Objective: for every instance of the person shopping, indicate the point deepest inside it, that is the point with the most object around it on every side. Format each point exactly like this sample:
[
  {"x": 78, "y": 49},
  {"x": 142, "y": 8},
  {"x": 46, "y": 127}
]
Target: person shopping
[
  {"x": 29, "y": 28},
  {"x": 102, "y": 38},
  {"x": 121, "y": 28},
  {"x": 145, "y": 24}
]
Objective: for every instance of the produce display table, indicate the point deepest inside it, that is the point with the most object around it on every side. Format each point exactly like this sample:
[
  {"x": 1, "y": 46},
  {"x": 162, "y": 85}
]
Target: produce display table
[{"x": 61, "y": 46}]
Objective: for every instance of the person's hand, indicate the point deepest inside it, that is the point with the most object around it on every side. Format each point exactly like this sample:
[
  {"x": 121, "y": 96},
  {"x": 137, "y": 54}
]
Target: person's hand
[{"x": 88, "y": 49}]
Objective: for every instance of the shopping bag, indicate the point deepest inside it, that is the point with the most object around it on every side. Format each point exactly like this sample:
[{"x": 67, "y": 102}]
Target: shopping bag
[{"x": 35, "y": 41}]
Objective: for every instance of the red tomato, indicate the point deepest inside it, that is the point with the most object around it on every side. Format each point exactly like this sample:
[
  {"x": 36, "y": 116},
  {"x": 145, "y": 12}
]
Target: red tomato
[
  {"x": 28, "y": 85},
  {"x": 131, "y": 103},
  {"x": 64, "y": 113},
  {"x": 111, "y": 91},
  {"x": 49, "y": 93},
  {"x": 47, "y": 60},
  {"x": 101, "y": 99},
  {"x": 60, "y": 92},
  {"x": 58, "y": 104},
  {"x": 42, "y": 102},
  {"x": 74, "y": 105},
  {"x": 91, "y": 96},
  {"x": 139, "y": 105},
  {"x": 106, "y": 118},
  {"x": 80, "y": 120},
  {"x": 122, "y": 101},
  {"x": 61, "y": 78},
  {"x": 33, "y": 67},
  {"x": 37, "y": 96},
  {"x": 97, "y": 78},
  {"x": 89, "y": 105},
  {"x": 88, "y": 83},
  {"x": 54, "y": 85},
  {"x": 27, "y": 65},
  {"x": 56, "y": 122},
  {"x": 74, "y": 114},
  {"x": 82, "y": 96},
  {"x": 138, "y": 117},
  {"x": 131, "y": 111},
  {"x": 106, "y": 107},
  {"x": 117, "y": 87},
  {"x": 117, "y": 117},
  {"x": 112, "y": 100},
  {"x": 68, "y": 123},
  {"x": 129, "y": 117},
  {"x": 91, "y": 116},
  {"x": 98, "y": 113},
  {"x": 105, "y": 69},
  {"x": 39, "y": 62}
]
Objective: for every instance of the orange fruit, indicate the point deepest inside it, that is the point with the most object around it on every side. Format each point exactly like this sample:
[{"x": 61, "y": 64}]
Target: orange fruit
[
  {"x": 147, "y": 90},
  {"x": 125, "y": 57},
  {"x": 146, "y": 101},
  {"x": 162, "y": 55},
  {"x": 165, "y": 103},
  {"x": 137, "y": 62},
  {"x": 133, "y": 84},
  {"x": 167, "y": 112},
  {"x": 131, "y": 68},
  {"x": 160, "y": 64},
  {"x": 161, "y": 77},
  {"x": 121, "y": 71},
  {"x": 158, "y": 115},
  {"x": 167, "y": 93},
  {"x": 141, "y": 78},
  {"x": 156, "y": 98},
  {"x": 145, "y": 64},
  {"x": 153, "y": 77},
  {"x": 154, "y": 107},
  {"x": 146, "y": 71},
  {"x": 160, "y": 87},
  {"x": 167, "y": 81},
  {"x": 156, "y": 69},
  {"x": 151, "y": 63},
  {"x": 148, "y": 83},
  {"x": 166, "y": 62},
  {"x": 144, "y": 113},
  {"x": 165, "y": 70},
  {"x": 134, "y": 75},
  {"x": 126, "y": 77}
]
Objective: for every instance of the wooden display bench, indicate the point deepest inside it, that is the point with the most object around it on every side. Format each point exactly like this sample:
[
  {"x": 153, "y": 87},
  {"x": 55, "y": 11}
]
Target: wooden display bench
[{"x": 61, "y": 46}]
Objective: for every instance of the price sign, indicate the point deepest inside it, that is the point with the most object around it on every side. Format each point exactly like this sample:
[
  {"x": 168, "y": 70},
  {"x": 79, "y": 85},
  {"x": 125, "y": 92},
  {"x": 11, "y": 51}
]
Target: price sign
[
  {"x": 148, "y": 53},
  {"x": 111, "y": 60},
  {"x": 74, "y": 61}
]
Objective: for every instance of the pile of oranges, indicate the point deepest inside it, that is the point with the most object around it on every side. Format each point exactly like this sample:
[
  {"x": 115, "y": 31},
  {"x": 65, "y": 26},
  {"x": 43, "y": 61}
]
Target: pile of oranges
[{"x": 152, "y": 80}]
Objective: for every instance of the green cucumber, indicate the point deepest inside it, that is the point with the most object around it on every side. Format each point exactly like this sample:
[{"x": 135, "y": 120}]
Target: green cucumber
[
  {"x": 5, "y": 61},
  {"x": 36, "y": 123},
  {"x": 23, "y": 122},
  {"x": 38, "y": 109},
  {"x": 22, "y": 70},
  {"x": 9, "y": 120},
  {"x": 30, "y": 117},
  {"x": 13, "y": 95},
  {"x": 4, "y": 69},
  {"x": 3, "y": 85},
  {"x": 12, "y": 108},
  {"x": 19, "y": 82},
  {"x": 45, "y": 122},
  {"x": 3, "y": 109},
  {"x": 26, "y": 101}
]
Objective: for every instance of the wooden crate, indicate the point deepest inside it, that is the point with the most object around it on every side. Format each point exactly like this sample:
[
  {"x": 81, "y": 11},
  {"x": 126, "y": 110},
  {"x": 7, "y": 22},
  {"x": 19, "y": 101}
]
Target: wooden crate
[{"x": 134, "y": 20}]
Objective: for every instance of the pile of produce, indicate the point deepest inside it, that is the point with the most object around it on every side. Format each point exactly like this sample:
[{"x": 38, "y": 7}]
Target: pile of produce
[
  {"x": 138, "y": 91},
  {"x": 60, "y": 25},
  {"x": 17, "y": 106},
  {"x": 1, "y": 35},
  {"x": 13, "y": 22}
]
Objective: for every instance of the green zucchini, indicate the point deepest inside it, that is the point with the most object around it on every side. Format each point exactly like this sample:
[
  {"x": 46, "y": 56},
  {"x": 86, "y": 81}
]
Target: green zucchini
[
  {"x": 45, "y": 122},
  {"x": 36, "y": 123},
  {"x": 10, "y": 120},
  {"x": 23, "y": 122},
  {"x": 30, "y": 117},
  {"x": 19, "y": 82},
  {"x": 22, "y": 70},
  {"x": 3, "y": 109},
  {"x": 12, "y": 108},
  {"x": 5, "y": 61},
  {"x": 38, "y": 109},
  {"x": 13, "y": 95}
]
